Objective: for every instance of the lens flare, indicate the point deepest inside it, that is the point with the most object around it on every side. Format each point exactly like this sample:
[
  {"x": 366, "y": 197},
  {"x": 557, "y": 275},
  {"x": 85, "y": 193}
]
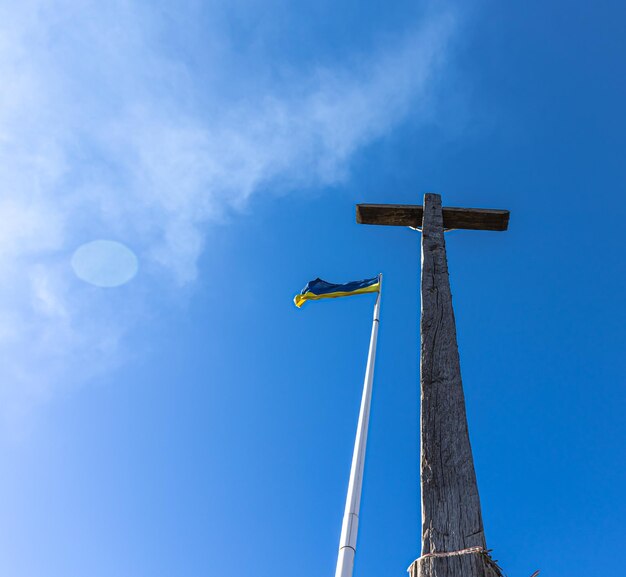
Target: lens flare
[{"x": 105, "y": 263}]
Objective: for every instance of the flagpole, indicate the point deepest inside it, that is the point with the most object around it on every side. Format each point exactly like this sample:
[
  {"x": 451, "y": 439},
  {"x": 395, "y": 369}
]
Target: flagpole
[{"x": 347, "y": 542}]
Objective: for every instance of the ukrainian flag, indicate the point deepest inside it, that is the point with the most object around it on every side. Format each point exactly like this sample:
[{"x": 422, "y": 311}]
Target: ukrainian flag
[{"x": 320, "y": 289}]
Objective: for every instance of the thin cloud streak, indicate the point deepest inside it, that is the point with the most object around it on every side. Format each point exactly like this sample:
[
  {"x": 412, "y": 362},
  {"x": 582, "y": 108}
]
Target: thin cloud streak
[{"x": 102, "y": 135}]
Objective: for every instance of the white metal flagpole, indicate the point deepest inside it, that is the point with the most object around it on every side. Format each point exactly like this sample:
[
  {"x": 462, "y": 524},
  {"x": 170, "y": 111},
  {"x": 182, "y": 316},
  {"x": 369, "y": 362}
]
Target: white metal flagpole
[{"x": 347, "y": 542}]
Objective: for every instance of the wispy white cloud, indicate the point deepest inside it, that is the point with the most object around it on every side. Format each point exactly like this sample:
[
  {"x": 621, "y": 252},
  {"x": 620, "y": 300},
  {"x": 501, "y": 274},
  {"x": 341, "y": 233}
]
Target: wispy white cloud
[{"x": 105, "y": 132}]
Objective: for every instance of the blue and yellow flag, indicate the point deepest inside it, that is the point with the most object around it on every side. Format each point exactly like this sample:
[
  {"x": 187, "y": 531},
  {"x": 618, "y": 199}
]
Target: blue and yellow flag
[{"x": 320, "y": 289}]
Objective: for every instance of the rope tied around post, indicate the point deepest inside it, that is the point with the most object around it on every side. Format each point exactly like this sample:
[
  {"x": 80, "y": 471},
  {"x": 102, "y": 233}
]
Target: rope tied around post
[{"x": 486, "y": 553}]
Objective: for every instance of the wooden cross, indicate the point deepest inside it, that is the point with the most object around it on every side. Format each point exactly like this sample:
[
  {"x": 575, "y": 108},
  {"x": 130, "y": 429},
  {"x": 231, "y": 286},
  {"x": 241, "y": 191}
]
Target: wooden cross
[{"x": 453, "y": 538}]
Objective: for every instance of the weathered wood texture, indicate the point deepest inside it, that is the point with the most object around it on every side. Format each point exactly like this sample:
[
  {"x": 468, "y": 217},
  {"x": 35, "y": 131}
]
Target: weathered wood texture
[
  {"x": 412, "y": 215},
  {"x": 451, "y": 515}
]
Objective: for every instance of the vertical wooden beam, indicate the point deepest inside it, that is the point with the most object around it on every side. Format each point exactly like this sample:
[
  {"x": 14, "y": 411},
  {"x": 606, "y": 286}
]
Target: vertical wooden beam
[{"x": 451, "y": 515}]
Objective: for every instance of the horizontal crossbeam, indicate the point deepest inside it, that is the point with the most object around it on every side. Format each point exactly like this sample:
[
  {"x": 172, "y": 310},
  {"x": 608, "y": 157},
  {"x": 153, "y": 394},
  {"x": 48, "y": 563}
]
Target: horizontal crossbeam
[{"x": 411, "y": 215}]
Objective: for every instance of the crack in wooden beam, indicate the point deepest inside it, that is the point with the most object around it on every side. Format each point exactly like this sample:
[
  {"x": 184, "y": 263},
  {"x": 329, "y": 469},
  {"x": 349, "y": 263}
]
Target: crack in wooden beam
[{"x": 412, "y": 215}]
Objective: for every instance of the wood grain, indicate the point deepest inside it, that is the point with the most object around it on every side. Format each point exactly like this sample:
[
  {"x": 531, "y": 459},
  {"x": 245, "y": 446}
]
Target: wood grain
[
  {"x": 412, "y": 215},
  {"x": 451, "y": 514}
]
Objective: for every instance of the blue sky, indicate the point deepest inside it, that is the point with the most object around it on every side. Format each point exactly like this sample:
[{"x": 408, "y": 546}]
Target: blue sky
[{"x": 192, "y": 421}]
